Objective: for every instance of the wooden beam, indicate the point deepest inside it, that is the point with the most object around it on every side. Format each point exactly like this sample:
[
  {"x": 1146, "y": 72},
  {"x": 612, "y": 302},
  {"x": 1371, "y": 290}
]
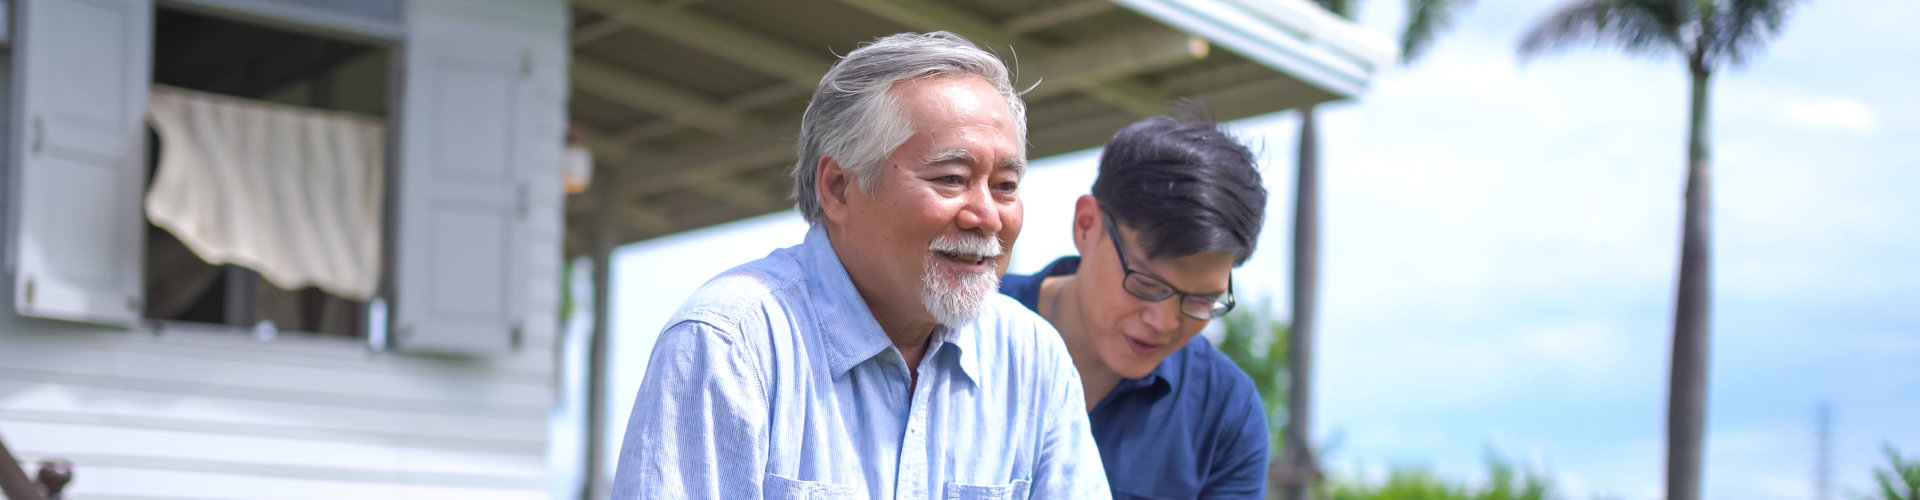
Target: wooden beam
[
  {"x": 645, "y": 219},
  {"x": 735, "y": 107},
  {"x": 928, "y": 16},
  {"x": 609, "y": 149},
  {"x": 733, "y": 192},
  {"x": 692, "y": 172},
  {"x": 1135, "y": 97},
  {"x": 648, "y": 175},
  {"x": 716, "y": 37},
  {"x": 1100, "y": 67},
  {"x": 1228, "y": 103},
  {"x": 1054, "y": 16},
  {"x": 1086, "y": 62},
  {"x": 695, "y": 218},
  {"x": 636, "y": 91},
  {"x": 1097, "y": 67},
  {"x": 598, "y": 30}
]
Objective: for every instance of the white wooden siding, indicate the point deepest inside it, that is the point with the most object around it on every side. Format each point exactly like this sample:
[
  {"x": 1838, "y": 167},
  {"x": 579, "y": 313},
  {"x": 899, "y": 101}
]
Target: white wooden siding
[{"x": 222, "y": 415}]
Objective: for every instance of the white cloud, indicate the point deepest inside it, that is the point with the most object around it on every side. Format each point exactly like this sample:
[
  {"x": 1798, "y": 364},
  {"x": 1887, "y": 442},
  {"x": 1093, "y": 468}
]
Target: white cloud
[{"x": 1829, "y": 114}]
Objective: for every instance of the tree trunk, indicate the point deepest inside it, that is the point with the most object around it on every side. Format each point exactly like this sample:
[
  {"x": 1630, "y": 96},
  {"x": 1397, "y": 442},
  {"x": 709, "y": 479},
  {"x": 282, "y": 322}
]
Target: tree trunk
[
  {"x": 1687, "y": 396},
  {"x": 1306, "y": 281}
]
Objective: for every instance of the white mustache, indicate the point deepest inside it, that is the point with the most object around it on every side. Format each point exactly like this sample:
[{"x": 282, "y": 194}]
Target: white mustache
[{"x": 968, "y": 243}]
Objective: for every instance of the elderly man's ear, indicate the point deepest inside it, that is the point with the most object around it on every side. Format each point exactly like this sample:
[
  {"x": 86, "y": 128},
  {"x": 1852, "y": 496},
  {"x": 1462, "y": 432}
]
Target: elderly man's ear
[{"x": 830, "y": 184}]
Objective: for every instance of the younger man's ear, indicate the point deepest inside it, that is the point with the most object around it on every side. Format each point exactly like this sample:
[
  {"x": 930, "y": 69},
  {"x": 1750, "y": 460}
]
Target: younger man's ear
[{"x": 1086, "y": 223}]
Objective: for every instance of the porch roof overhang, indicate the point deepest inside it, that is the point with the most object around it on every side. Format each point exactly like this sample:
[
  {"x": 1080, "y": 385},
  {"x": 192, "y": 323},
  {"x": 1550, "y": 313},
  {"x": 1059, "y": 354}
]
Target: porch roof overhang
[{"x": 690, "y": 106}]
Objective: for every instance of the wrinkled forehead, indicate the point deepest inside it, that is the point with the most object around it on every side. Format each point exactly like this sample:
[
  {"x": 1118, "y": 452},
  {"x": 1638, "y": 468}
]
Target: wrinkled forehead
[{"x": 956, "y": 100}]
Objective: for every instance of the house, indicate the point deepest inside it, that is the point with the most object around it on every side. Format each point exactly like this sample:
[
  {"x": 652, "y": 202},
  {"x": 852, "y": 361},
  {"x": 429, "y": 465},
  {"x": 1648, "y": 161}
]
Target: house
[
  {"x": 447, "y": 396},
  {"x": 396, "y": 336}
]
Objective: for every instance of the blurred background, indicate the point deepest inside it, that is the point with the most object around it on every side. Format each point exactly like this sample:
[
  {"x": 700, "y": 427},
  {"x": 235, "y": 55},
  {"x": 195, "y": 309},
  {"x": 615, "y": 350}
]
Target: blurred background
[
  {"x": 1500, "y": 245},
  {"x": 422, "y": 248}
]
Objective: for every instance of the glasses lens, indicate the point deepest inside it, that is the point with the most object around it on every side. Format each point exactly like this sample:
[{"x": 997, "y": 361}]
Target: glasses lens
[
  {"x": 1146, "y": 288},
  {"x": 1221, "y": 308},
  {"x": 1205, "y": 309}
]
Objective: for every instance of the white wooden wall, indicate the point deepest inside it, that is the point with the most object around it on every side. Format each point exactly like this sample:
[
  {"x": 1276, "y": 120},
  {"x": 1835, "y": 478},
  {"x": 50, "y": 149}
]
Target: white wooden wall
[
  {"x": 218, "y": 414},
  {"x": 221, "y": 415}
]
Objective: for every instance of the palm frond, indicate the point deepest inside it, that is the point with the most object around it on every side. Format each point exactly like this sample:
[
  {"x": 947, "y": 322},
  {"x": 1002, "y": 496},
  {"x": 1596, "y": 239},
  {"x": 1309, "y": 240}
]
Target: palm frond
[
  {"x": 1887, "y": 491},
  {"x": 1425, "y": 20},
  {"x": 1639, "y": 27},
  {"x": 1900, "y": 475},
  {"x": 1342, "y": 8},
  {"x": 1742, "y": 27}
]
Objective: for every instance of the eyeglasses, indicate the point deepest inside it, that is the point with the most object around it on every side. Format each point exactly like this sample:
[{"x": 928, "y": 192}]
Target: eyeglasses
[{"x": 1152, "y": 289}]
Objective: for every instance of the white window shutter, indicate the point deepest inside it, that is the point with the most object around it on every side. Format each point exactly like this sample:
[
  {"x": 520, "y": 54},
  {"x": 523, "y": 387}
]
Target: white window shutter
[
  {"x": 83, "y": 69},
  {"x": 473, "y": 148}
]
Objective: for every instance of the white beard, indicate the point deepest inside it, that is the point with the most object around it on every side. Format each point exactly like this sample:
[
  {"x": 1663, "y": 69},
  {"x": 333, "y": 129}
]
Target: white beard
[{"x": 952, "y": 306}]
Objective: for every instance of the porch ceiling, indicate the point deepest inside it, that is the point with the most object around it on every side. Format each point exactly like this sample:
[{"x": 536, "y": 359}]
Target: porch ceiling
[{"x": 693, "y": 105}]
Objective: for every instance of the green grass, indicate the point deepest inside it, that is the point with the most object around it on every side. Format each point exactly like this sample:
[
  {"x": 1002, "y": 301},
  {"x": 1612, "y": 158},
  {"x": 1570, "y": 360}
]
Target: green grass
[{"x": 1505, "y": 482}]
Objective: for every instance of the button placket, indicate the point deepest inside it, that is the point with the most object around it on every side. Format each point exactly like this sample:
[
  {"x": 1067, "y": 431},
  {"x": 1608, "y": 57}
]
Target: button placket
[{"x": 912, "y": 479}]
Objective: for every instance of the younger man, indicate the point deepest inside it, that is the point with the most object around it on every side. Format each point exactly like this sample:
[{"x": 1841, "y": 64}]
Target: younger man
[{"x": 1176, "y": 206}]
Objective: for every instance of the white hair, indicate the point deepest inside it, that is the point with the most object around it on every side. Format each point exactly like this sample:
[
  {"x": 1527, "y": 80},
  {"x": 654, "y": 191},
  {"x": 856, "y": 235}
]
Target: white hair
[{"x": 854, "y": 119}]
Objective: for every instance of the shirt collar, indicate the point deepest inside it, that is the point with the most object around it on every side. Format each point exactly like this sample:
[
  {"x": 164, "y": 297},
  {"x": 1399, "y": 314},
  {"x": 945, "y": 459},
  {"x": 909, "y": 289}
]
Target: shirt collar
[
  {"x": 851, "y": 333},
  {"x": 966, "y": 339},
  {"x": 1162, "y": 380}
]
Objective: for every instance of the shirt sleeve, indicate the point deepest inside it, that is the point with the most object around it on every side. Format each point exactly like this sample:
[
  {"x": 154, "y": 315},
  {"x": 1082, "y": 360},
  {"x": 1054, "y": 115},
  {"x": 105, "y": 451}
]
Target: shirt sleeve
[
  {"x": 1242, "y": 460},
  {"x": 698, "y": 428},
  {"x": 1069, "y": 463}
]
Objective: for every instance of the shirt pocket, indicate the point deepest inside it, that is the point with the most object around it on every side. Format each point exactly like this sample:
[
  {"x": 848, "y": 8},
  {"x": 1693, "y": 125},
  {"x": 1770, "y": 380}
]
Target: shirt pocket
[
  {"x": 777, "y": 487},
  {"x": 1016, "y": 490}
]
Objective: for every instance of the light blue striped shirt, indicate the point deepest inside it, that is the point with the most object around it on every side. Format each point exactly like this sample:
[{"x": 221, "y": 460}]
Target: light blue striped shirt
[{"x": 774, "y": 381}]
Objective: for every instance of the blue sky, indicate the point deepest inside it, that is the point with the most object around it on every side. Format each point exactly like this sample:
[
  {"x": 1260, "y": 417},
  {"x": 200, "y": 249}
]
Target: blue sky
[{"x": 1500, "y": 242}]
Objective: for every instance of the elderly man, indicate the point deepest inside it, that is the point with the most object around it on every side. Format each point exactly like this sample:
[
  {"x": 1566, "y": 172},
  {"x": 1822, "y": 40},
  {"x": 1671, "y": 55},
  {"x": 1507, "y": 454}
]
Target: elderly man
[
  {"x": 875, "y": 359},
  {"x": 1176, "y": 206}
]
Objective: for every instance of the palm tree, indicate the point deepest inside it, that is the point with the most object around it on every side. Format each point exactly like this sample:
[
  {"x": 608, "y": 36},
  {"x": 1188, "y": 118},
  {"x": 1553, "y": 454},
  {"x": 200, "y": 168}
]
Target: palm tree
[
  {"x": 1900, "y": 480},
  {"x": 1297, "y": 465},
  {"x": 1708, "y": 35}
]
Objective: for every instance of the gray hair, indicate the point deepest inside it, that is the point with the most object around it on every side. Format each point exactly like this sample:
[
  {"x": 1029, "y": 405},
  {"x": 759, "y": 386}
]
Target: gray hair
[{"x": 854, "y": 119}]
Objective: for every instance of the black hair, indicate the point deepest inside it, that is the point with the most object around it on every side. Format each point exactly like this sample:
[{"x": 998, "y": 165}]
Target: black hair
[{"x": 1184, "y": 185}]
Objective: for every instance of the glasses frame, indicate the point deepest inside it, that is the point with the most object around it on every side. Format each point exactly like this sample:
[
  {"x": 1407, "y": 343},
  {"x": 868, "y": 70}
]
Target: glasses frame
[{"x": 1220, "y": 306}]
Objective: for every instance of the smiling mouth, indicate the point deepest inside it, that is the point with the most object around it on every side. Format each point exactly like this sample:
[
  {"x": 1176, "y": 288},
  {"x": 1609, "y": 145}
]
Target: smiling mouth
[
  {"x": 964, "y": 258},
  {"x": 1142, "y": 347}
]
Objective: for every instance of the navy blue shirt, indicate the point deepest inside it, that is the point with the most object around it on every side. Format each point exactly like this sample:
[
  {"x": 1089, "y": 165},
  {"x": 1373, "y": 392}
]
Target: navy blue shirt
[{"x": 1193, "y": 428}]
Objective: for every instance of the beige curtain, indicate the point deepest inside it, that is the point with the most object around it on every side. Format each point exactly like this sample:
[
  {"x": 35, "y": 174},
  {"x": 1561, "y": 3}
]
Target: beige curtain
[{"x": 290, "y": 192}]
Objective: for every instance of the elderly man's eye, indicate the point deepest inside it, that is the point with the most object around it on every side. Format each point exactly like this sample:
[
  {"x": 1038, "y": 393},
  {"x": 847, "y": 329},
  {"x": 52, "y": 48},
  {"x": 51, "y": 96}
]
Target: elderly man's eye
[
  {"x": 1007, "y": 187},
  {"x": 950, "y": 180}
]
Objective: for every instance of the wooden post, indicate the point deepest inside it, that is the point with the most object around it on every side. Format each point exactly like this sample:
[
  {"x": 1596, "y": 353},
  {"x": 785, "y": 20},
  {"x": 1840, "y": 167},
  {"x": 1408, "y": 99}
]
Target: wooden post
[{"x": 604, "y": 240}]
